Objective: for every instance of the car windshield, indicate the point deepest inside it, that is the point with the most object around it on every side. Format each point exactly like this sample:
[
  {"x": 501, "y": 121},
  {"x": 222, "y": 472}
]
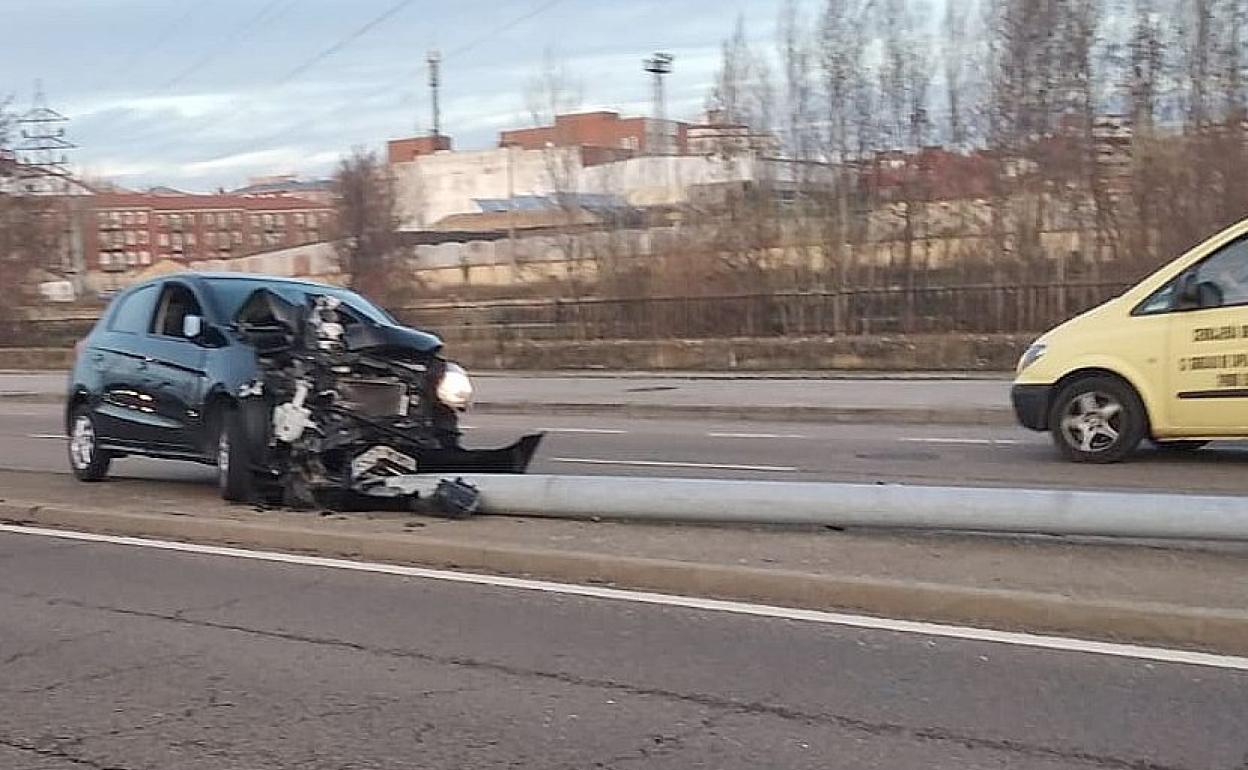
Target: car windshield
[{"x": 231, "y": 293}]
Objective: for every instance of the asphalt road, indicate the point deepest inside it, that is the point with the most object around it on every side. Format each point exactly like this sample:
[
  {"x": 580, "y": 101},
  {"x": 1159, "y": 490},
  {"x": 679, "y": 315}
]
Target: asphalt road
[
  {"x": 941, "y": 455},
  {"x": 128, "y": 658}
]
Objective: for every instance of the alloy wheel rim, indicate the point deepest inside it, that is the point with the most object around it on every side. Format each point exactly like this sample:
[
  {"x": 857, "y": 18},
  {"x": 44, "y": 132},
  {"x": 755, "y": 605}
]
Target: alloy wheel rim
[
  {"x": 1092, "y": 422},
  {"x": 82, "y": 442},
  {"x": 223, "y": 458}
]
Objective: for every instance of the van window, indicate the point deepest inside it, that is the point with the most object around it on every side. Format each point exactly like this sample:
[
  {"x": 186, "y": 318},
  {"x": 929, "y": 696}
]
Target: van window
[
  {"x": 135, "y": 312},
  {"x": 1227, "y": 269}
]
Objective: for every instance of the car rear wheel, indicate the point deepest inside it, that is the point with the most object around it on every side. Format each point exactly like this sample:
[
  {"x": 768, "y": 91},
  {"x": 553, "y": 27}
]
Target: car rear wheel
[
  {"x": 87, "y": 460},
  {"x": 233, "y": 456},
  {"x": 1098, "y": 420}
]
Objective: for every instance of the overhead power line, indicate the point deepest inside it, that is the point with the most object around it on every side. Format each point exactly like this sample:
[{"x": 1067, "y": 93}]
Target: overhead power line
[
  {"x": 346, "y": 41},
  {"x": 142, "y": 52},
  {"x": 231, "y": 41}
]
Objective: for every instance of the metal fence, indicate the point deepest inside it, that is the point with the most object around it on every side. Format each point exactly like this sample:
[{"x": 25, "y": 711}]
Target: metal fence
[
  {"x": 953, "y": 309},
  {"x": 969, "y": 309}
]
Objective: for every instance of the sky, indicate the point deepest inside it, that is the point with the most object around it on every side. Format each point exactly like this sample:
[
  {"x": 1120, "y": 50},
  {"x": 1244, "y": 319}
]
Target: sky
[{"x": 201, "y": 94}]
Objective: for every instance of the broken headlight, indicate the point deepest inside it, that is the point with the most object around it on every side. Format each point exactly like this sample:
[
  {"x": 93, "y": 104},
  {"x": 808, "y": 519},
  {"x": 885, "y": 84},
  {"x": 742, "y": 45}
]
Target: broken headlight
[{"x": 455, "y": 388}]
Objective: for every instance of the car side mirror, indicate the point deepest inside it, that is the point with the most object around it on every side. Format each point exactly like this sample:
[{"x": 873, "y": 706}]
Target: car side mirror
[{"x": 192, "y": 327}]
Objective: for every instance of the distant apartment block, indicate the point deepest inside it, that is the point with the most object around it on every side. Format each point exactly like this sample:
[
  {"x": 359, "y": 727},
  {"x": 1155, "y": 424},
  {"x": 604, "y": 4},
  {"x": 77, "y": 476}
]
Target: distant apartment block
[{"x": 127, "y": 232}]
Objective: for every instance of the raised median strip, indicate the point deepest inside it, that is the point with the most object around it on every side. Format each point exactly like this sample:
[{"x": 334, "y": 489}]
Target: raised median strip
[
  {"x": 1116, "y": 593},
  {"x": 793, "y": 414}
]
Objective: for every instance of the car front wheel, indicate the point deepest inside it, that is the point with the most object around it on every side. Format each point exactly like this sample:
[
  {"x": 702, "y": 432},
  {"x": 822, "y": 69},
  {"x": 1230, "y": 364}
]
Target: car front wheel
[
  {"x": 233, "y": 458},
  {"x": 87, "y": 460},
  {"x": 1098, "y": 420}
]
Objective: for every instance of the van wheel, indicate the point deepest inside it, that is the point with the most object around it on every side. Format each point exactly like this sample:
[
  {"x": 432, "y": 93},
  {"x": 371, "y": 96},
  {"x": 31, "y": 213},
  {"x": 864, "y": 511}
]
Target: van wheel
[
  {"x": 1179, "y": 446},
  {"x": 1098, "y": 420},
  {"x": 233, "y": 456},
  {"x": 86, "y": 459}
]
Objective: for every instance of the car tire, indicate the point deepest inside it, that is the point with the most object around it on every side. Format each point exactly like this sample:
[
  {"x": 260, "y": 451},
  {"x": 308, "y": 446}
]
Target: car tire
[
  {"x": 1179, "y": 446},
  {"x": 1098, "y": 420},
  {"x": 233, "y": 457},
  {"x": 86, "y": 459}
]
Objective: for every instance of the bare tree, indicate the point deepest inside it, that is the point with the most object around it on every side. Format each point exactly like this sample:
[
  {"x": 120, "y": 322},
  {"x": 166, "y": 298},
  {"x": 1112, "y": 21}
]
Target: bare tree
[
  {"x": 368, "y": 221},
  {"x": 554, "y": 91}
]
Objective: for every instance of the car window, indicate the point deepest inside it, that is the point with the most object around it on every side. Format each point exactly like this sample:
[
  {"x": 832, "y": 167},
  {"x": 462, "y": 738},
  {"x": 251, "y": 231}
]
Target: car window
[
  {"x": 135, "y": 311},
  {"x": 176, "y": 303},
  {"x": 1227, "y": 269}
]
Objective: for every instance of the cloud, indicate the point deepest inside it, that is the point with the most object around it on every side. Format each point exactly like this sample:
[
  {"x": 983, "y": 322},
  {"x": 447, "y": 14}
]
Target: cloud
[{"x": 231, "y": 117}]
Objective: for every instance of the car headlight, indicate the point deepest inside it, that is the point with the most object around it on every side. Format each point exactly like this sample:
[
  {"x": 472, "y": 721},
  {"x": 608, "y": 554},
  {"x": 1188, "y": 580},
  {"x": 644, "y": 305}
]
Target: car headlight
[
  {"x": 1032, "y": 355},
  {"x": 455, "y": 388}
]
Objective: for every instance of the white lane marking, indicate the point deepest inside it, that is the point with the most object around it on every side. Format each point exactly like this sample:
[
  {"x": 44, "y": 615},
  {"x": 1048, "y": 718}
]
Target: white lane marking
[
  {"x": 665, "y": 464},
  {"x": 967, "y": 441},
  {"x": 57, "y": 436},
  {"x": 592, "y": 431},
  {"x": 965, "y": 633},
  {"x": 755, "y": 435}
]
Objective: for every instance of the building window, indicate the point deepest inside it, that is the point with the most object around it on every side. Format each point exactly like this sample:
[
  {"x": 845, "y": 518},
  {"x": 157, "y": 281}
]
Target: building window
[
  {"x": 143, "y": 237},
  {"x": 132, "y": 257},
  {"x": 106, "y": 259},
  {"x": 255, "y": 239},
  {"x": 164, "y": 240},
  {"x": 268, "y": 221},
  {"x": 236, "y": 219},
  {"x": 210, "y": 238},
  {"x": 190, "y": 239},
  {"x": 141, "y": 217},
  {"x": 255, "y": 220},
  {"x": 103, "y": 217},
  {"x": 299, "y": 220},
  {"x": 116, "y": 217},
  {"x": 131, "y": 238},
  {"x": 162, "y": 220},
  {"x": 127, "y": 218},
  {"x": 175, "y": 220},
  {"x": 145, "y": 257},
  {"x": 177, "y": 241},
  {"x": 237, "y": 238}
]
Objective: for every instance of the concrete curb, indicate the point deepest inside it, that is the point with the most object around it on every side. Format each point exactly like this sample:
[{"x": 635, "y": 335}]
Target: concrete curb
[
  {"x": 1216, "y": 630},
  {"x": 797, "y": 414}
]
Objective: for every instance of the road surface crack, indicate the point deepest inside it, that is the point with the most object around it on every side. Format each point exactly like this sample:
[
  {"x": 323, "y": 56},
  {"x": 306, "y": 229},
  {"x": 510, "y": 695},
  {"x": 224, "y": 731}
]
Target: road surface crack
[
  {"x": 720, "y": 703},
  {"x": 58, "y": 754}
]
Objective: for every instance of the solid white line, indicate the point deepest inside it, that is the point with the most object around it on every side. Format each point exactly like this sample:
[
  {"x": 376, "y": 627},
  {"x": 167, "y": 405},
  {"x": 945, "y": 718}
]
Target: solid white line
[
  {"x": 47, "y": 435},
  {"x": 755, "y": 435},
  {"x": 665, "y": 464},
  {"x": 968, "y": 441},
  {"x": 1058, "y": 643},
  {"x": 592, "y": 431}
]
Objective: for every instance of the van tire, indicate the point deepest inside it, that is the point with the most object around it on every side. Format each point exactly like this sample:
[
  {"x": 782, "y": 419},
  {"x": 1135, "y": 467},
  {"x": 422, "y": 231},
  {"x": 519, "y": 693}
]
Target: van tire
[{"x": 1098, "y": 419}]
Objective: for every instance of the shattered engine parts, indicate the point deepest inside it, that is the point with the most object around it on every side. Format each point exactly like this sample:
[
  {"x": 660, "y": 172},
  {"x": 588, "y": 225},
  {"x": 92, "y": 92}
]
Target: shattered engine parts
[{"x": 345, "y": 409}]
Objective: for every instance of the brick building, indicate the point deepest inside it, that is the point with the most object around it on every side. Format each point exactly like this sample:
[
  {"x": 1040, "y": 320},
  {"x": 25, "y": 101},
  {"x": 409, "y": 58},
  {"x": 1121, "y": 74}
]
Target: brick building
[
  {"x": 126, "y": 232},
  {"x": 607, "y": 132},
  {"x": 408, "y": 150}
]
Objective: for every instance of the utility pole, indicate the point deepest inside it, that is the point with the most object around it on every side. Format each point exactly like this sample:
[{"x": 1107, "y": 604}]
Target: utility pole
[
  {"x": 43, "y": 150},
  {"x": 435, "y": 83},
  {"x": 42, "y": 156},
  {"x": 659, "y": 66}
]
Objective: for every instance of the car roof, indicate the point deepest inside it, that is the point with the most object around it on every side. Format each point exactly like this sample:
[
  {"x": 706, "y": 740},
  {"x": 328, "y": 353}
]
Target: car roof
[{"x": 221, "y": 276}]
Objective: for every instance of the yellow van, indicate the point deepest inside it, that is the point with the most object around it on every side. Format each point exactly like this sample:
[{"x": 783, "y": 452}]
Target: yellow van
[{"x": 1167, "y": 361}]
